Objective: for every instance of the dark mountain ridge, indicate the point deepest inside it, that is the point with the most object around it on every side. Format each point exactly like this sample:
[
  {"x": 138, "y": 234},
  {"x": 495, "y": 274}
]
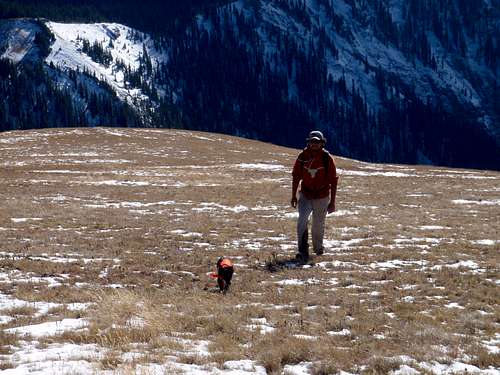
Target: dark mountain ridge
[{"x": 152, "y": 16}]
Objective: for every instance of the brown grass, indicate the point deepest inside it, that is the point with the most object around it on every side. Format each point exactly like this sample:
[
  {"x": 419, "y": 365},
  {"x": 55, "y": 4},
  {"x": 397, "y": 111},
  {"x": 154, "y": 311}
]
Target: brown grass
[
  {"x": 7, "y": 342},
  {"x": 482, "y": 358},
  {"x": 275, "y": 351},
  {"x": 93, "y": 237},
  {"x": 6, "y": 365}
]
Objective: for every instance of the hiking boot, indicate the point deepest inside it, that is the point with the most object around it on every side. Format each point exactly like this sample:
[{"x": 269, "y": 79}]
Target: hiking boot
[
  {"x": 302, "y": 257},
  {"x": 319, "y": 251}
]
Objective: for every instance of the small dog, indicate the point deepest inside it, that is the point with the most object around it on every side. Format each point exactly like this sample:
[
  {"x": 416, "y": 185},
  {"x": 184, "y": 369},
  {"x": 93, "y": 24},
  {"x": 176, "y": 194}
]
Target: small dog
[{"x": 225, "y": 271}]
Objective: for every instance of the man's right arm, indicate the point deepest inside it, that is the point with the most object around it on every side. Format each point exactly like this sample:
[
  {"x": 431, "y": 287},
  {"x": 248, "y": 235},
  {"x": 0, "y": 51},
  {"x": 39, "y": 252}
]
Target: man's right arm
[{"x": 295, "y": 186}]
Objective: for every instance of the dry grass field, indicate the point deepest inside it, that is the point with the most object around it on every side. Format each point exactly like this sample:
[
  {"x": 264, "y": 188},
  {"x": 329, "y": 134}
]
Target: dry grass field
[{"x": 108, "y": 236}]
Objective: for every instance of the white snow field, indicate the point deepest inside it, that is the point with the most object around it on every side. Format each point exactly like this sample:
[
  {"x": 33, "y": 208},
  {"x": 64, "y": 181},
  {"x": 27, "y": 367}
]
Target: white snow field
[
  {"x": 108, "y": 238},
  {"x": 125, "y": 44}
]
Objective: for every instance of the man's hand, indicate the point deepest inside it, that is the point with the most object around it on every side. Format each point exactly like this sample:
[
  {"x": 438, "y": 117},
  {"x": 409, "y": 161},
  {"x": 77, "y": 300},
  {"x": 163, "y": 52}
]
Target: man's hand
[
  {"x": 293, "y": 202},
  {"x": 331, "y": 207}
]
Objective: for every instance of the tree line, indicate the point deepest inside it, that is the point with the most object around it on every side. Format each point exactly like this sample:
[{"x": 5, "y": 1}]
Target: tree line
[
  {"x": 30, "y": 99},
  {"x": 154, "y": 16}
]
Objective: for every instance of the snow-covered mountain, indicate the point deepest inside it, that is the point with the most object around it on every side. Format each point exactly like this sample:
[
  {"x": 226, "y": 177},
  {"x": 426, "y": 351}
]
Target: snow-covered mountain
[
  {"x": 96, "y": 65},
  {"x": 125, "y": 47},
  {"x": 385, "y": 80}
]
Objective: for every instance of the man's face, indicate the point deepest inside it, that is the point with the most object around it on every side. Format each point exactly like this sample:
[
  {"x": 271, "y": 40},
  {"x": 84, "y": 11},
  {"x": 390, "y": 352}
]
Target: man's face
[{"x": 315, "y": 145}]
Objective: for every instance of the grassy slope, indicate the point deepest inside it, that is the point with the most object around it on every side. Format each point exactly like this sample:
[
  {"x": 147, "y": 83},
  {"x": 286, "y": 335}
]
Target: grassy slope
[{"x": 151, "y": 210}]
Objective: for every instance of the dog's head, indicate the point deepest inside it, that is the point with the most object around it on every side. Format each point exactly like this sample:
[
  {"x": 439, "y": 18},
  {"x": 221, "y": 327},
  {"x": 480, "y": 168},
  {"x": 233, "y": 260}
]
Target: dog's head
[{"x": 224, "y": 262}]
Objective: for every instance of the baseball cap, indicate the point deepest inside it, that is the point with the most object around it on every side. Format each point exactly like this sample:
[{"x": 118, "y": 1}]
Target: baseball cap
[{"x": 316, "y": 135}]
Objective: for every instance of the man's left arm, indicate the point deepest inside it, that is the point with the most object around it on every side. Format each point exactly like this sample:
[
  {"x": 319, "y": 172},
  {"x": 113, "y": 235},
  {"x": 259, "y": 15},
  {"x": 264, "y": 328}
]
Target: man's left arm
[{"x": 333, "y": 181}]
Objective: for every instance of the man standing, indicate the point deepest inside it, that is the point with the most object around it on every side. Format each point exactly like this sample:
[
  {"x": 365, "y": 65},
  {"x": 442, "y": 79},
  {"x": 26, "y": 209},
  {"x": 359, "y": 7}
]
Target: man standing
[{"x": 316, "y": 173}]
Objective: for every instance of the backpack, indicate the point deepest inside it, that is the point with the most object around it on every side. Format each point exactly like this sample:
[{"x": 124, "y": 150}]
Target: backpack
[{"x": 326, "y": 161}]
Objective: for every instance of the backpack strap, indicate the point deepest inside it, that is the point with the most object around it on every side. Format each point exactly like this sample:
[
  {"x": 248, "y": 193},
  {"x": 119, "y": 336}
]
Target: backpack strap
[{"x": 326, "y": 161}]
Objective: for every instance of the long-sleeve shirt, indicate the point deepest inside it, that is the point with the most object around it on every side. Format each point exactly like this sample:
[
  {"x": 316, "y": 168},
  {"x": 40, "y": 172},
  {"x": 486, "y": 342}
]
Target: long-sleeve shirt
[{"x": 317, "y": 181}]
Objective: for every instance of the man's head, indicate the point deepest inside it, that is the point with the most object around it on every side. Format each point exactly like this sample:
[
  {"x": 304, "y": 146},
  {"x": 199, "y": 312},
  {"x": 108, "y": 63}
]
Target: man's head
[{"x": 316, "y": 140}]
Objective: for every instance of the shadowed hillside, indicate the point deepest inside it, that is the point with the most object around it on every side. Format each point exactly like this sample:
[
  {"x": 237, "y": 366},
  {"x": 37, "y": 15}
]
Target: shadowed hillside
[{"x": 108, "y": 235}]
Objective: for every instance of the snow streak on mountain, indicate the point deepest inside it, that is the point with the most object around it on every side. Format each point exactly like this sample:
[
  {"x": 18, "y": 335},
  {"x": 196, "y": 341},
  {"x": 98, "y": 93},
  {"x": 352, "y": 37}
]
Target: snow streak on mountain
[
  {"x": 110, "y": 52},
  {"x": 399, "y": 81}
]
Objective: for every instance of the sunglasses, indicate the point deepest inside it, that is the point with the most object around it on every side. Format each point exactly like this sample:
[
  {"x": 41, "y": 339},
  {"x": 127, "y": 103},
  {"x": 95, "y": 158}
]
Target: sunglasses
[{"x": 314, "y": 141}]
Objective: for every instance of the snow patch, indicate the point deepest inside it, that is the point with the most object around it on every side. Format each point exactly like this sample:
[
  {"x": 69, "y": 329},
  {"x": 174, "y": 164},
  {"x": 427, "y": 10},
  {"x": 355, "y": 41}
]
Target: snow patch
[
  {"x": 261, "y": 167},
  {"x": 49, "y": 328},
  {"x": 344, "y": 332},
  {"x": 494, "y": 202}
]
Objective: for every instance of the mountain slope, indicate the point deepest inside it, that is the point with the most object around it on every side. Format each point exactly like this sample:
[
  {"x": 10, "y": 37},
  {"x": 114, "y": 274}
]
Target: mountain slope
[
  {"x": 58, "y": 84},
  {"x": 410, "y": 97},
  {"x": 107, "y": 51},
  {"x": 18, "y": 40}
]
